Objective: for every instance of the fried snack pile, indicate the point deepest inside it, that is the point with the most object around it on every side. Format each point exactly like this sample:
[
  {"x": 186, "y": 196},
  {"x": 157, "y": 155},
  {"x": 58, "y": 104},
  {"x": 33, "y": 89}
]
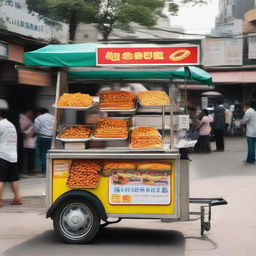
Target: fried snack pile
[
  {"x": 111, "y": 128},
  {"x": 145, "y": 131},
  {"x": 156, "y": 165},
  {"x": 110, "y": 165},
  {"x": 84, "y": 174},
  {"x": 117, "y": 100},
  {"x": 151, "y": 98},
  {"x": 146, "y": 137},
  {"x": 79, "y": 131},
  {"x": 75, "y": 100}
]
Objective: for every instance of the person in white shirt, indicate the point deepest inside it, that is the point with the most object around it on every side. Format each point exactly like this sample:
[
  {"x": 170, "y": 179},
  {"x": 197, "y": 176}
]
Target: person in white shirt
[
  {"x": 249, "y": 119},
  {"x": 43, "y": 126},
  {"x": 8, "y": 158}
]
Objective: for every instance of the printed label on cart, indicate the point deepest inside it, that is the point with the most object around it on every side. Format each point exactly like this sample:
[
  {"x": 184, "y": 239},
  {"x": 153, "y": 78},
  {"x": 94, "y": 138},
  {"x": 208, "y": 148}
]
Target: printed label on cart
[
  {"x": 61, "y": 168},
  {"x": 134, "y": 188}
]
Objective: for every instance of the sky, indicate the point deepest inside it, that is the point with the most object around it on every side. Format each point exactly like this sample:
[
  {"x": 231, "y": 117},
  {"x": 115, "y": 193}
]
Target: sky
[{"x": 197, "y": 19}]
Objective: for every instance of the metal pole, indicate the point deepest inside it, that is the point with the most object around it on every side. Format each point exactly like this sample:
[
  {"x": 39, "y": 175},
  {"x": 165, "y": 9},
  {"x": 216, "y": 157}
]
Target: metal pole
[
  {"x": 171, "y": 95},
  {"x": 185, "y": 92},
  {"x": 56, "y": 111},
  {"x": 163, "y": 122}
]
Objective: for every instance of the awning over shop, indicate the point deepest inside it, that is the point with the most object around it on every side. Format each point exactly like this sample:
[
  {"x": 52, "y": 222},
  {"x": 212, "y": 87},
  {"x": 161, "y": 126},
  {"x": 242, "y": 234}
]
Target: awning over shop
[
  {"x": 234, "y": 77},
  {"x": 63, "y": 55}
]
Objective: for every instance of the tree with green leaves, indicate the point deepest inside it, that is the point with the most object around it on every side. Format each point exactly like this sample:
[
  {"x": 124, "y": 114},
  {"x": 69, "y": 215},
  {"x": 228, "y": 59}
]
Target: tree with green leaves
[
  {"x": 107, "y": 14},
  {"x": 71, "y": 12}
]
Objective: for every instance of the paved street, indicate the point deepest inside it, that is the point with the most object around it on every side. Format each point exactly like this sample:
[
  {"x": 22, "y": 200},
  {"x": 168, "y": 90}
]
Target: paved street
[{"x": 25, "y": 231}]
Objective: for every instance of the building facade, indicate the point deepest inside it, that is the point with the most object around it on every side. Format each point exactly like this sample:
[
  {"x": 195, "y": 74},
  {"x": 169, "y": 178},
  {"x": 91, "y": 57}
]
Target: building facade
[
  {"x": 231, "y": 15},
  {"x": 21, "y": 31}
]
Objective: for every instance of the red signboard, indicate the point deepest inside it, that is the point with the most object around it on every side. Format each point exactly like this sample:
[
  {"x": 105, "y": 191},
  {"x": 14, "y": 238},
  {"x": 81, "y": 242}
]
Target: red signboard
[{"x": 178, "y": 55}]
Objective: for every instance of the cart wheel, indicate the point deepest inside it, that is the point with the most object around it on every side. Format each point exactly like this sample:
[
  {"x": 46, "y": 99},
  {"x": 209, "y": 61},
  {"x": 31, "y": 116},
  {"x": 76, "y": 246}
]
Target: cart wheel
[{"x": 76, "y": 221}]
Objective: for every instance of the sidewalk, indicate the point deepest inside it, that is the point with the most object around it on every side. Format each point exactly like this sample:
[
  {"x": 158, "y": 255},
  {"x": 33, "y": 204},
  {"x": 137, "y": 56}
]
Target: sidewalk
[
  {"x": 32, "y": 191},
  {"x": 33, "y": 186}
]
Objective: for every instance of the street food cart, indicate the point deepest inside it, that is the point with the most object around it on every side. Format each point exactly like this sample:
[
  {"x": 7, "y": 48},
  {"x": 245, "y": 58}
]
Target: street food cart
[{"x": 106, "y": 175}]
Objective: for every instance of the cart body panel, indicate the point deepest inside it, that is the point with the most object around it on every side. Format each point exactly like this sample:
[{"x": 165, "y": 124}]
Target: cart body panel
[{"x": 57, "y": 187}]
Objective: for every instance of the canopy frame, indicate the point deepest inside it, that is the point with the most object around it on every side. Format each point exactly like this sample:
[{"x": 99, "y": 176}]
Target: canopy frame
[{"x": 78, "y": 55}]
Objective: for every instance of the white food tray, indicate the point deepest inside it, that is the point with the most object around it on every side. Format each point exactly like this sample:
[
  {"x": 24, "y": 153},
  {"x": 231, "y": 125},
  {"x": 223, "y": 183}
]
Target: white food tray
[
  {"x": 76, "y": 108},
  {"x": 74, "y": 139},
  {"x": 146, "y": 149}
]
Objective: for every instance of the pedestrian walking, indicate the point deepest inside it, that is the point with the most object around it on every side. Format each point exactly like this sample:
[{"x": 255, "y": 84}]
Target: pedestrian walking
[
  {"x": 29, "y": 141},
  {"x": 43, "y": 126},
  {"x": 228, "y": 118},
  {"x": 193, "y": 123},
  {"x": 203, "y": 142},
  {"x": 219, "y": 125},
  {"x": 8, "y": 156},
  {"x": 249, "y": 119}
]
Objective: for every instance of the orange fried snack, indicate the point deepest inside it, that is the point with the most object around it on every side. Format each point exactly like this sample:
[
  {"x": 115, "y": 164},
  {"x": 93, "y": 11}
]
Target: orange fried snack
[
  {"x": 75, "y": 100},
  {"x": 117, "y": 100},
  {"x": 111, "y": 128},
  {"x": 146, "y": 137},
  {"x": 154, "y": 98},
  {"x": 145, "y": 131},
  {"x": 84, "y": 174},
  {"x": 154, "y": 165},
  {"x": 110, "y": 165},
  {"x": 79, "y": 131}
]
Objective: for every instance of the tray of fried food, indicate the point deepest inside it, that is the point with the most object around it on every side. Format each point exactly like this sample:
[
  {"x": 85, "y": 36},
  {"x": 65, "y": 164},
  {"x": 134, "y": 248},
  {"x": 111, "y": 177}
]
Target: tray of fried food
[
  {"x": 146, "y": 138},
  {"x": 114, "y": 165},
  {"x": 154, "y": 165},
  {"x": 75, "y": 133},
  {"x": 154, "y": 99},
  {"x": 84, "y": 174},
  {"x": 117, "y": 101},
  {"x": 77, "y": 101},
  {"x": 110, "y": 129}
]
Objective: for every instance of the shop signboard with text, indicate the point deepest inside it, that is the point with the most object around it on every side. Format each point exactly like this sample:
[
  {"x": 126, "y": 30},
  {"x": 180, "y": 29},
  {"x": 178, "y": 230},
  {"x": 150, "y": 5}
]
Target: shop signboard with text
[
  {"x": 16, "y": 17},
  {"x": 220, "y": 52},
  {"x": 139, "y": 55}
]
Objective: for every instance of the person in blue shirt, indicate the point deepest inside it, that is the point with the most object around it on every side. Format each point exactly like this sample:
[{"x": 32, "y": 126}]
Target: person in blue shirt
[
  {"x": 249, "y": 119},
  {"x": 43, "y": 127}
]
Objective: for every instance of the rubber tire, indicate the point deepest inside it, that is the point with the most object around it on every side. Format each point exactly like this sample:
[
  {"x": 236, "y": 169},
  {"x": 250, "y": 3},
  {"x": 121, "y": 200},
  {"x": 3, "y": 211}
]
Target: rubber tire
[{"x": 87, "y": 237}]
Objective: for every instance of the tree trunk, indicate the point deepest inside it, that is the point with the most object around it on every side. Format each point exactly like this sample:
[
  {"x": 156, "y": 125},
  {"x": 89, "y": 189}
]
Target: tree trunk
[
  {"x": 72, "y": 26},
  {"x": 105, "y": 35}
]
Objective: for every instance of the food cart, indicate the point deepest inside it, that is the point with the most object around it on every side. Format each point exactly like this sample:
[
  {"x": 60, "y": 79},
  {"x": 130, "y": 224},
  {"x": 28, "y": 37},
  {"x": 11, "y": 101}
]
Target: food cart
[{"x": 126, "y": 182}]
